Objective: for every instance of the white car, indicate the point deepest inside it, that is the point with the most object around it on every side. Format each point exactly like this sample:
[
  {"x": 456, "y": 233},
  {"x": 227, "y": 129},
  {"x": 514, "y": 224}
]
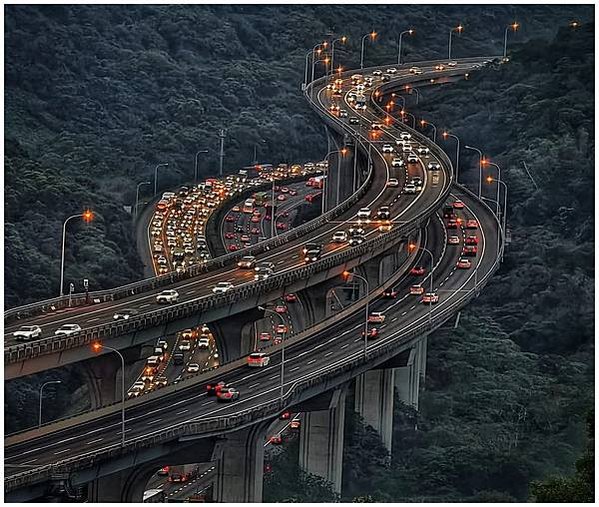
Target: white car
[
  {"x": 397, "y": 162},
  {"x": 363, "y": 213},
  {"x": 168, "y": 296},
  {"x": 193, "y": 367},
  {"x": 393, "y": 182},
  {"x": 187, "y": 334},
  {"x": 415, "y": 70},
  {"x": 405, "y": 136},
  {"x": 67, "y": 329},
  {"x": 339, "y": 237},
  {"x": 409, "y": 189},
  {"x": 203, "y": 343},
  {"x": 258, "y": 360},
  {"x": 387, "y": 148},
  {"x": 423, "y": 150},
  {"x": 125, "y": 314},
  {"x": 407, "y": 147},
  {"x": 452, "y": 64},
  {"x": 222, "y": 287},
  {"x": 434, "y": 166},
  {"x": 391, "y": 70},
  {"x": 27, "y": 332},
  {"x": 413, "y": 158},
  {"x": 184, "y": 345},
  {"x": 377, "y": 72}
]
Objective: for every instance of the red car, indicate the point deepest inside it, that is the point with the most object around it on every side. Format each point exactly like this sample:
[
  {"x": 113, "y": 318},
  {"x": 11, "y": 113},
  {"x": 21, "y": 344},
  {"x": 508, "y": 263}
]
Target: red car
[
  {"x": 471, "y": 224},
  {"x": 285, "y": 415},
  {"x": 281, "y": 309},
  {"x": 229, "y": 218},
  {"x": 281, "y": 328},
  {"x": 373, "y": 332},
  {"x": 281, "y": 197},
  {"x": 295, "y": 424},
  {"x": 281, "y": 226},
  {"x": 255, "y": 219},
  {"x": 470, "y": 250},
  {"x": 285, "y": 214},
  {"x": 290, "y": 298},
  {"x": 254, "y": 230},
  {"x": 285, "y": 190},
  {"x": 417, "y": 271},
  {"x": 471, "y": 240},
  {"x": 163, "y": 471},
  {"x": 389, "y": 294},
  {"x": 229, "y": 235},
  {"x": 276, "y": 440},
  {"x": 233, "y": 248},
  {"x": 458, "y": 204},
  {"x": 267, "y": 217},
  {"x": 213, "y": 389},
  {"x": 245, "y": 238},
  {"x": 264, "y": 337}
]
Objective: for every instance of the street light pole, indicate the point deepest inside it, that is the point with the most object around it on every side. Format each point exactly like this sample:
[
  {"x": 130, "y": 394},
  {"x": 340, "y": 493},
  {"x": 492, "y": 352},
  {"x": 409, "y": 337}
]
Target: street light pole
[
  {"x": 514, "y": 26},
  {"x": 372, "y": 35},
  {"x": 221, "y": 136},
  {"x": 403, "y": 111},
  {"x": 326, "y": 69},
  {"x": 457, "y": 152},
  {"x": 424, "y": 122},
  {"x": 408, "y": 88},
  {"x": 97, "y": 346},
  {"x": 141, "y": 183},
  {"x": 87, "y": 216},
  {"x": 195, "y": 167},
  {"x": 39, "y": 420},
  {"x": 458, "y": 29},
  {"x": 340, "y": 39},
  {"x": 504, "y": 214},
  {"x": 348, "y": 274},
  {"x": 256, "y": 150},
  {"x": 156, "y": 176},
  {"x": 410, "y": 31},
  {"x": 267, "y": 310},
  {"x": 480, "y": 168}
]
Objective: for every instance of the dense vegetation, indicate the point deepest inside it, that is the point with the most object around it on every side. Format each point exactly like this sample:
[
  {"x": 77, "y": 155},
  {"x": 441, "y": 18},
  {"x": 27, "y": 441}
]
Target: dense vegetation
[
  {"x": 507, "y": 393},
  {"x": 96, "y": 96}
]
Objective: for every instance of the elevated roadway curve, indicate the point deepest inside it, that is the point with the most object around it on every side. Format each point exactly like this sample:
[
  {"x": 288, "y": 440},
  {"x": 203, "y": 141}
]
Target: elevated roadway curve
[
  {"x": 327, "y": 355},
  {"x": 195, "y": 293}
]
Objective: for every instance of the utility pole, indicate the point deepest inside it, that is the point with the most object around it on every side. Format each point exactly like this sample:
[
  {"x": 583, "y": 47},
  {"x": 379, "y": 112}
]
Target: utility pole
[{"x": 221, "y": 135}]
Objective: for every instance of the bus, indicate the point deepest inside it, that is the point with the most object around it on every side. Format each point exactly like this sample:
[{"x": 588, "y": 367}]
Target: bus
[{"x": 248, "y": 205}]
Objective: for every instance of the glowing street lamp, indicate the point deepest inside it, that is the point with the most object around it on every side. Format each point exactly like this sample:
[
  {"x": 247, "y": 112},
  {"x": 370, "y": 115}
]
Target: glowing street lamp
[
  {"x": 87, "y": 216},
  {"x": 424, "y": 123},
  {"x": 340, "y": 39},
  {"x": 514, "y": 26},
  {"x": 457, "y": 152},
  {"x": 347, "y": 276},
  {"x": 409, "y": 32},
  {"x": 459, "y": 29},
  {"x": 372, "y": 36}
]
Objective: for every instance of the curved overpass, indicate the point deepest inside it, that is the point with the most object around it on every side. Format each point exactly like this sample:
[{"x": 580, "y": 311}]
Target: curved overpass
[{"x": 317, "y": 359}]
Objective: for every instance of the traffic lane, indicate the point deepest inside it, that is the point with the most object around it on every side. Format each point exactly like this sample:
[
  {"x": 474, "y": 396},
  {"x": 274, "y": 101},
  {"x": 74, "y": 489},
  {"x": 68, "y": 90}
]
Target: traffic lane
[
  {"x": 148, "y": 411},
  {"x": 379, "y": 176}
]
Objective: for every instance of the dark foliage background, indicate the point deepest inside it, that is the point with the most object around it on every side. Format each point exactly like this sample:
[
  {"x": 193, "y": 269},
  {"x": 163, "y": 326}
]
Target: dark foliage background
[{"x": 95, "y": 96}]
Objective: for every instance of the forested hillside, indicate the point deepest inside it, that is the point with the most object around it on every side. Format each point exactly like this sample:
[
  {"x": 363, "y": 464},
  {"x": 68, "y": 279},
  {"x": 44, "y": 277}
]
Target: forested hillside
[
  {"x": 96, "y": 96},
  {"x": 507, "y": 393}
]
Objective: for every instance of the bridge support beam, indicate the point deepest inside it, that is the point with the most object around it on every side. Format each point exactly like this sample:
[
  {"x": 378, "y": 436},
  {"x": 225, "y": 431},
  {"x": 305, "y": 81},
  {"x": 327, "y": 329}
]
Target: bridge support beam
[
  {"x": 374, "y": 395},
  {"x": 235, "y": 335},
  {"x": 321, "y": 441},
  {"x": 239, "y": 460},
  {"x": 407, "y": 378}
]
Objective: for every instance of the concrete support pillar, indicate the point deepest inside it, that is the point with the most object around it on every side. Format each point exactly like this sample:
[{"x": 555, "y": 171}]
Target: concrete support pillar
[
  {"x": 407, "y": 378},
  {"x": 240, "y": 465},
  {"x": 235, "y": 335},
  {"x": 374, "y": 401},
  {"x": 125, "y": 486},
  {"x": 321, "y": 442}
]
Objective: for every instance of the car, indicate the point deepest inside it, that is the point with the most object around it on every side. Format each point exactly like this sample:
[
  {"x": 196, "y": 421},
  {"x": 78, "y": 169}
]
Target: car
[
  {"x": 27, "y": 332},
  {"x": 264, "y": 336},
  {"x": 162, "y": 343},
  {"x": 160, "y": 381},
  {"x": 363, "y": 214},
  {"x": 229, "y": 235},
  {"x": 285, "y": 190},
  {"x": 410, "y": 189},
  {"x": 258, "y": 360},
  {"x": 470, "y": 250},
  {"x": 193, "y": 367},
  {"x": 464, "y": 263},
  {"x": 387, "y": 148},
  {"x": 389, "y": 294},
  {"x": 295, "y": 424},
  {"x": 177, "y": 477},
  {"x": 417, "y": 290},
  {"x": 343, "y": 113},
  {"x": 354, "y": 120},
  {"x": 393, "y": 182},
  {"x": 148, "y": 374},
  {"x": 339, "y": 237},
  {"x": 281, "y": 226},
  {"x": 184, "y": 345},
  {"x": 471, "y": 224},
  {"x": 471, "y": 240},
  {"x": 413, "y": 158},
  {"x": 263, "y": 274},
  {"x": 312, "y": 252},
  {"x": 203, "y": 343},
  {"x": 373, "y": 332},
  {"x": 247, "y": 262},
  {"x": 285, "y": 415},
  {"x": 222, "y": 287},
  {"x": 391, "y": 70},
  {"x": 406, "y": 148},
  {"x": 276, "y": 440},
  {"x": 281, "y": 197},
  {"x": 383, "y": 213},
  {"x": 415, "y": 70},
  {"x": 245, "y": 238},
  {"x": 168, "y": 296},
  {"x": 423, "y": 150},
  {"x": 452, "y": 64},
  {"x": 230, "y": 218},
  {"x": 290, "y": 298},
  {"x": 430, "y": 298},
  {"x": 405, "y": 136},
  {"x": 187, "y": 334},
  {"x": 67, "y": 329},
  {"x": 163, "y": 471},
  {"x": 281, "y": 328},
  {"x": 125, "y": 314},
  {"x": 264, "y": 266},
  {"x": 453, "y": 240},
  {"x": 236, "y": 208},
  {"x": 356, "y": 239},
  {"x": 376, "y": 317},
  {"x": 417, "y": 271},
  {"x": 458, "y": 204},
  {"x": 214, "y": 387},
  {"x": 439, "y": 67},
  {"x": 377, "y": 72},
  {"x": 452, "y": 223},
  {"x": 256, "y": 219},
  {"x": 254, "y": 230},
  {"x": 292, "y": 192},
  {"x": 417, "y": 182},
  {"x": 397, "y": 162},
  {"x": 281, "y": 309},
  {"x": 433, "y": 166},
  {"x": 227, "y": 394},
  {"x": 238, "y": 228}
]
